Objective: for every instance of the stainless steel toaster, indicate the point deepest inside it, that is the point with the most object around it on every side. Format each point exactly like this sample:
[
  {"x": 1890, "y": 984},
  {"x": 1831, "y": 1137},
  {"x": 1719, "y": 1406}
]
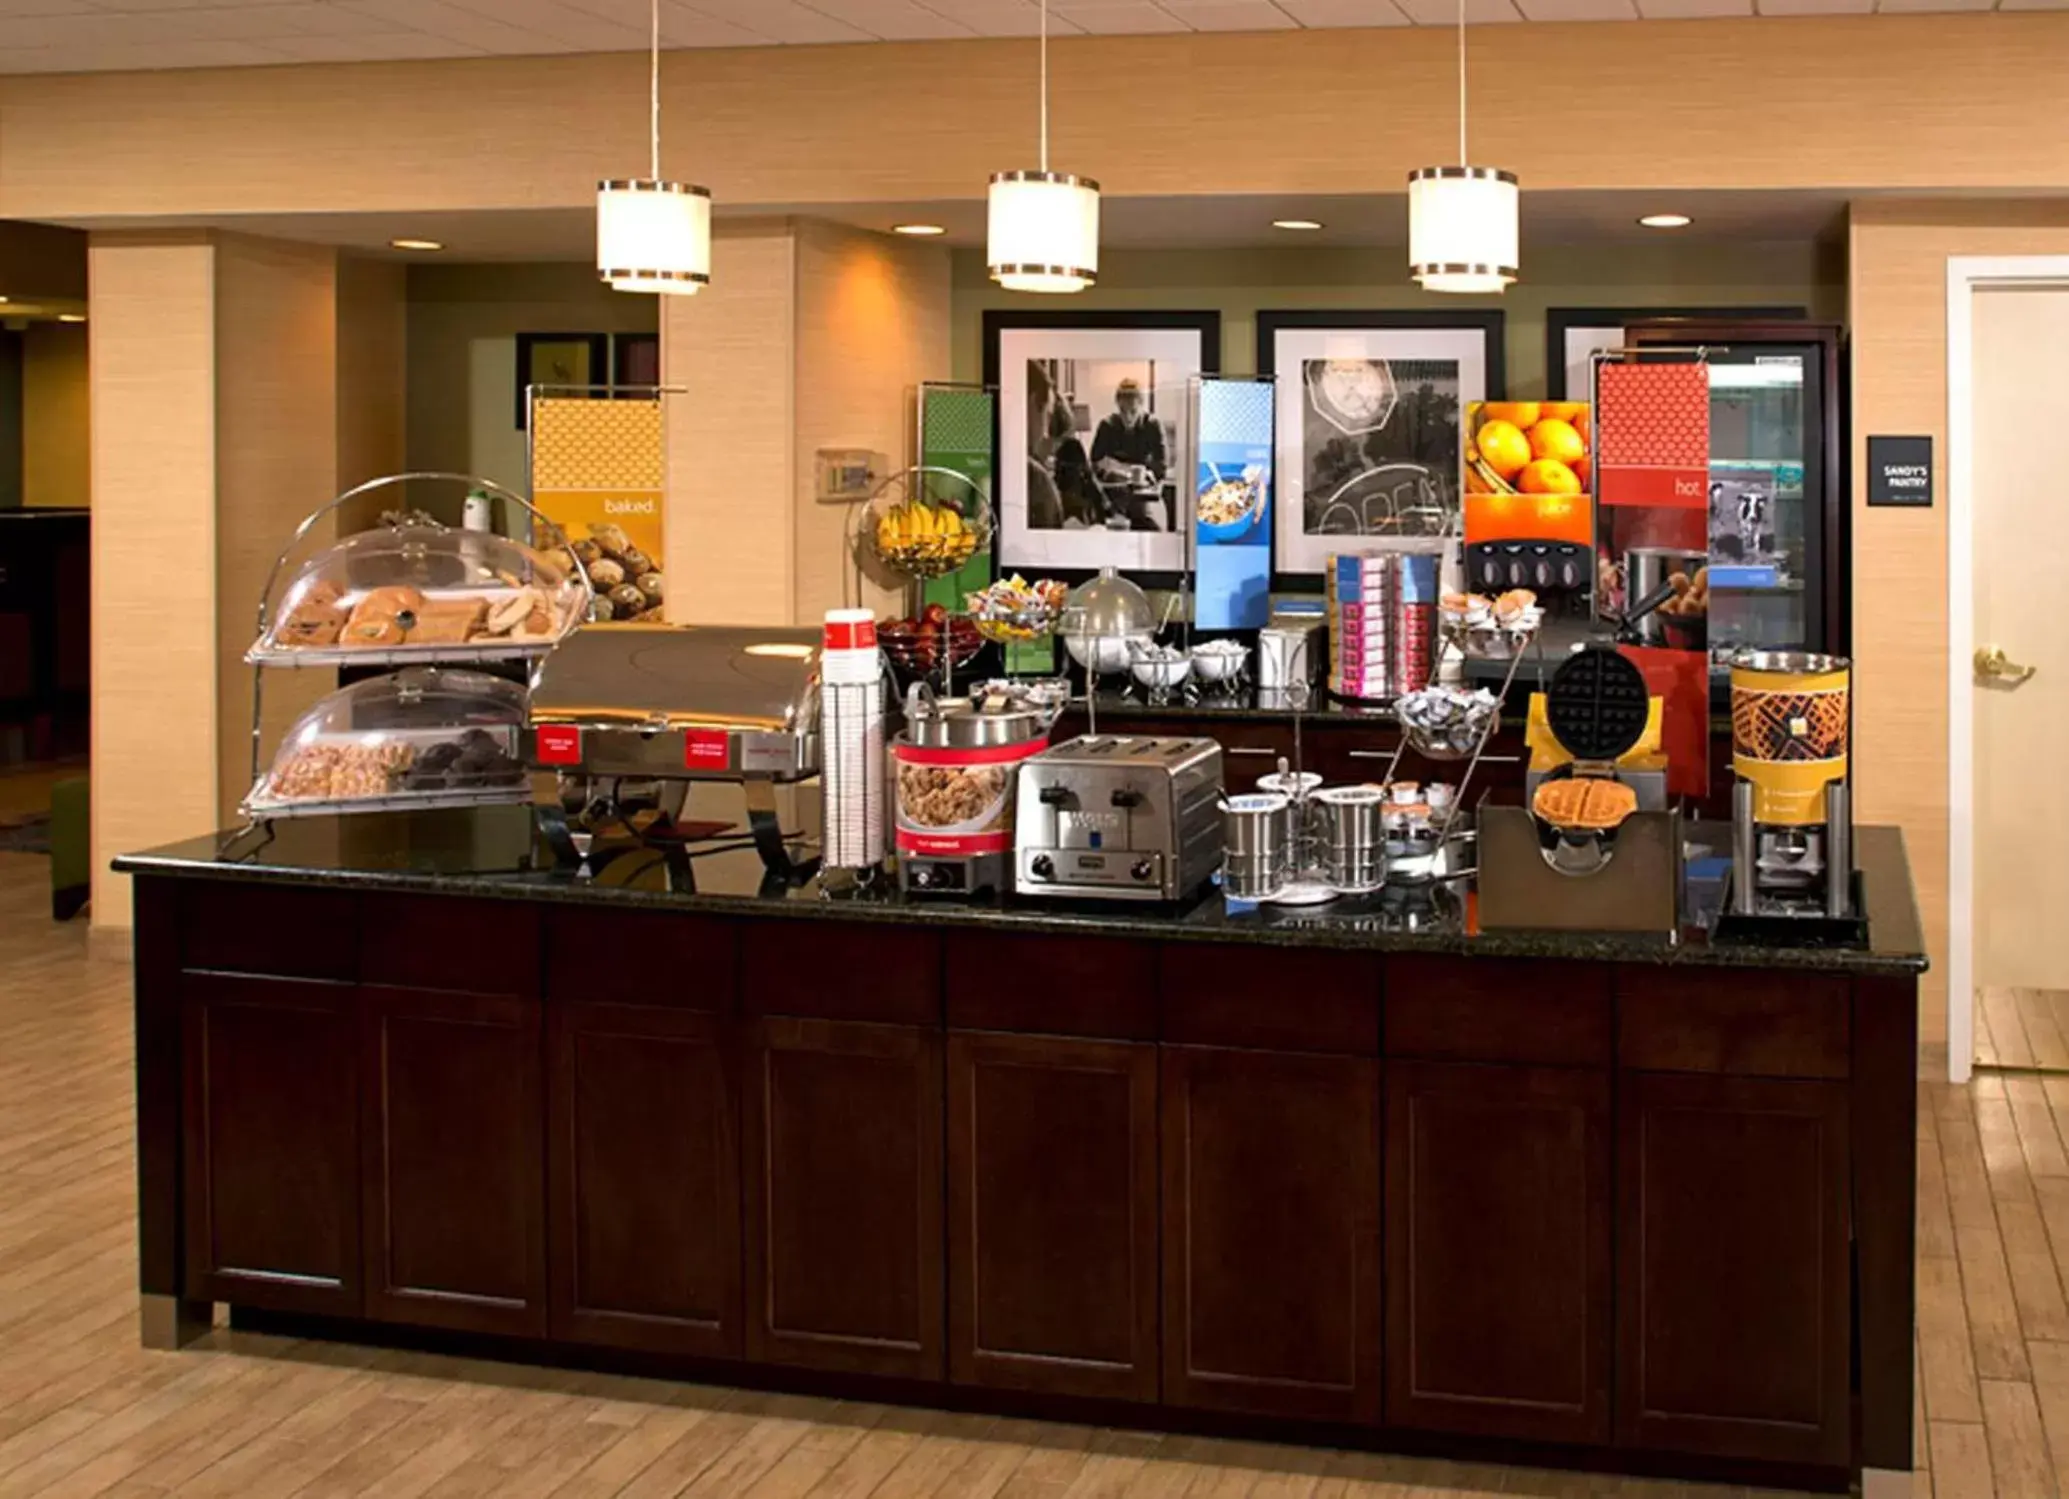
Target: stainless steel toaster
[{"x": 1111, "y": 817}]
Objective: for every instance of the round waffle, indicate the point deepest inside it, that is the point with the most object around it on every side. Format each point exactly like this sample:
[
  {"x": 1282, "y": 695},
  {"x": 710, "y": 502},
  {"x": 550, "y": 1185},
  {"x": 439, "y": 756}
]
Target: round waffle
[{"x": 1597, "y": 704}]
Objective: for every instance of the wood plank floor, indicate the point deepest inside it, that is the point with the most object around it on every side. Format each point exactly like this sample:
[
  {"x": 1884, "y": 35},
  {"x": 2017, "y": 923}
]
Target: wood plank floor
[
  {"x": 2023, "y": 1028},
  {"x": 85, "y": 1411}
]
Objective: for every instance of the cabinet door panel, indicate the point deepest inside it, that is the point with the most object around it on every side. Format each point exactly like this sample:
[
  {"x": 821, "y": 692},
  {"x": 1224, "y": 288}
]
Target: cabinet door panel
[
  {"x": 1271, "y": 1233},
  {"x": 1734, "y": 1306},
  {"x": 1499, "y": 1304},
  {"x": 454, "y": 1161},
  {"x": 1052, "y": 1241},
  {"x": 272, "y": 1143},
  {"x": 644, "y": 1163},
  {"x": 844, "y": 1182}
]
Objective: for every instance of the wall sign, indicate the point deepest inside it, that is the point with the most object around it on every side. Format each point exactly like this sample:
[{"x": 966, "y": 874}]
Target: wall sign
[
  {"x": 1232, "y": 502},
  {"x": 1900, "y": 471}
]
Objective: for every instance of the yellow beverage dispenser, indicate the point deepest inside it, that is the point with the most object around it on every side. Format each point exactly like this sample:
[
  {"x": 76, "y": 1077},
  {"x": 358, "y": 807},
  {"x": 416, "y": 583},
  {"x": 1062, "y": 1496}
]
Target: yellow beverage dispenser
[{"x": 1792, "y": 814}]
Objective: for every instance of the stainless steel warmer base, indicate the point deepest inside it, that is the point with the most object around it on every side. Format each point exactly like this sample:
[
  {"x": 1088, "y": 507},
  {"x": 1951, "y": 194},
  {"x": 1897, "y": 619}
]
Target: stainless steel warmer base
[
  {"x": 1637, "y": 890},
  {"x": 960, "y": 876}
]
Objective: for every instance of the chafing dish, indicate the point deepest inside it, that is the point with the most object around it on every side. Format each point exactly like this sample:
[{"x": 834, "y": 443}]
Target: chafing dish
[{"x": 630, "y": 714}]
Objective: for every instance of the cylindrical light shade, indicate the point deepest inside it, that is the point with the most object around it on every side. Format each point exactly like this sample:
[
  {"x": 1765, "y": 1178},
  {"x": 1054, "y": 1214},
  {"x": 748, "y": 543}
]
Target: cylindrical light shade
[
  {"x": 653, "y": 236},
  {"x": 1044, "y": 233},
  {"x": 1462, "y": 228}
]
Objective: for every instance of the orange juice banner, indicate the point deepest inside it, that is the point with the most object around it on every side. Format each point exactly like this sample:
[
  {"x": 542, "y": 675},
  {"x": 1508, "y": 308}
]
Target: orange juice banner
[
  {"x": 598, "y": 473},
  {"x": 1527, "y": 472},
  {"x": 1654, "y": 432}
]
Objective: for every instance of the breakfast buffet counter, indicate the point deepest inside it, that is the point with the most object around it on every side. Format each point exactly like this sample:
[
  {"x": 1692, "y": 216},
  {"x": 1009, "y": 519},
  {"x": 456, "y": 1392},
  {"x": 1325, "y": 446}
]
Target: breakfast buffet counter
[{"x": 1355, "y": 1174}]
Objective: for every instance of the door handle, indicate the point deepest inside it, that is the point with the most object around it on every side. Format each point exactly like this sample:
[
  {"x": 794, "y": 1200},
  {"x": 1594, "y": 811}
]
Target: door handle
[{"x": 1994, "y": 665}]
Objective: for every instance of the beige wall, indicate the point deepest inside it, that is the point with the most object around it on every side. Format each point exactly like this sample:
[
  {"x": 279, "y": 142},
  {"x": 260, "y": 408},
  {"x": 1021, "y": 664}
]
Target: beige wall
[
  {"x": 57, "y": 462},
  {"x": 1238, "y": 283},
  {"x": 155, "y": 643},
  {"x": 814, "y": 336},
  {"x": 372, "y": 374},
  {"x": 731, "y": 353},
  {"x": 463, "y": 326},
  {"x": 873, "y": 322},
  {"x": 276, "y": 410},
  {"x": 1898, "y": 102},
  {"x": 1899, "y": 315}
]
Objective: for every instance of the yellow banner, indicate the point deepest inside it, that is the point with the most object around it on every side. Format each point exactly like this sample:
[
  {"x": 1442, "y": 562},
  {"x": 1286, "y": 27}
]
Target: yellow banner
[{"x": 597, "y": 473}]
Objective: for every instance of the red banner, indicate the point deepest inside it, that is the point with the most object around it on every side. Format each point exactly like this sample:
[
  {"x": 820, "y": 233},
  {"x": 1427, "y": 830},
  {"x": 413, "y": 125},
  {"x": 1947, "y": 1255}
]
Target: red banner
[{"x": 1653, "y": 435}]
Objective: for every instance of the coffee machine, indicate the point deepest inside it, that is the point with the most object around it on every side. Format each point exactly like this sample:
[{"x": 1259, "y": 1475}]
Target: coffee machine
[{"x": 1792, "y": 806}]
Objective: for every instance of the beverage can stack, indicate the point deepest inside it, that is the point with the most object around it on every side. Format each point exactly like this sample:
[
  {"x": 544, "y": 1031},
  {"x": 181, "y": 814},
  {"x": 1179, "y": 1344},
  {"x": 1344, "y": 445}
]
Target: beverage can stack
[
  {"x": 851, "y": 738},
  {"x": 1361, "y": 625},
  {"x": 1413, "y": 605}
]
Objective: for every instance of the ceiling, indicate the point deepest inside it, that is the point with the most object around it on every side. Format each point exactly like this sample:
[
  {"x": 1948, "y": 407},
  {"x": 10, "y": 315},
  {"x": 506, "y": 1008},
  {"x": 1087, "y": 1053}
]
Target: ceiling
[
  {"x": 53, "y": 36},
  {"x": 1194, "y": 223}
]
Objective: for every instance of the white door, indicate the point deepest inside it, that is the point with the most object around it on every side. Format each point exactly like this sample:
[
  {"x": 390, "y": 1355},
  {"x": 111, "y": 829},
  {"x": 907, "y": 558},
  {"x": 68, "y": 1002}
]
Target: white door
[{"x": 2020, "y": 672}]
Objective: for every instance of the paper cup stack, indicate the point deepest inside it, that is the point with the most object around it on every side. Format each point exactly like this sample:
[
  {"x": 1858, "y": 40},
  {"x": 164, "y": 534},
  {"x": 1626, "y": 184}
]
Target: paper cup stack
[{"x": 851, "y": 738}]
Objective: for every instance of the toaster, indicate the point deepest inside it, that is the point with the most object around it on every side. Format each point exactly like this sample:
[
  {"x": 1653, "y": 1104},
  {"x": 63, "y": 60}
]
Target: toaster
[{"x": 1116, "y": 817}]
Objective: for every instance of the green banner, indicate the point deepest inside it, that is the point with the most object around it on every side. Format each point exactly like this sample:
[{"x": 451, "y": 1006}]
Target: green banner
[{"x": 955, "y": 434}]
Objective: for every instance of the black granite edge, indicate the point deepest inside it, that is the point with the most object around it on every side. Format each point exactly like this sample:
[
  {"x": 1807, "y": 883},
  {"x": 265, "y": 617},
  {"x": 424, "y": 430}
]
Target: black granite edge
[{"x": 1206, "y": 923}]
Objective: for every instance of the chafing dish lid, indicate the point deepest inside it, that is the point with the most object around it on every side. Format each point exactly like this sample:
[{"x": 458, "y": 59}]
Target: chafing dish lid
[{"x": 681, "y": 676}]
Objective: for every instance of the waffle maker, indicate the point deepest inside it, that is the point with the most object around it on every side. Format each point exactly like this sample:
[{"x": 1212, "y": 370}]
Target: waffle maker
[{"x": 1535, "y": 876}]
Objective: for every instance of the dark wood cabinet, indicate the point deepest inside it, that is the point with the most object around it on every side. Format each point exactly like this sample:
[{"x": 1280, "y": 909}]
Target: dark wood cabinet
[
  {"x": 1052, "y": 1202},
  {"x": 643, "y": 1160},
  {"x": 843, "y": 1182},
  {"x": 453, "y": 1160},
  {"x": 272, "y": 1144},
  {"x": 1499, "y": 1300},
  {"x": 1733, "y": 1281},
  {"x": 1271, "y": 1232}
]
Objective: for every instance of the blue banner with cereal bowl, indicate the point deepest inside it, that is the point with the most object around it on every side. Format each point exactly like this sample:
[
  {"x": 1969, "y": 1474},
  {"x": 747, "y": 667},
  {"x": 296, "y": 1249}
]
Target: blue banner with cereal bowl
[{"x": 1232, "y": 504}]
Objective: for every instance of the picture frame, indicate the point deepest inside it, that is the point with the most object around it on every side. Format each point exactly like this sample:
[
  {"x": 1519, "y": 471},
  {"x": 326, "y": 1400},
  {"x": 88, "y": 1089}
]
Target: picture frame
[
  {"x": 1370, "y": 406},
  {"x": 1111, "y": 493},
  {"x": 1574, "y": 334},
  {"x": 635, "y": 363},
  {"x": 569, "y": 360}
]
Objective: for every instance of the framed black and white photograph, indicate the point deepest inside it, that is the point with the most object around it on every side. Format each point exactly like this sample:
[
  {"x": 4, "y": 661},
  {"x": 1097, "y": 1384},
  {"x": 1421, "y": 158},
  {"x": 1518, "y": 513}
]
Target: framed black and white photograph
[
  {"x": 1574, "y": 335},
  {"x": 1090, "y": 411},
  {"x": 1369, "y": 406}
]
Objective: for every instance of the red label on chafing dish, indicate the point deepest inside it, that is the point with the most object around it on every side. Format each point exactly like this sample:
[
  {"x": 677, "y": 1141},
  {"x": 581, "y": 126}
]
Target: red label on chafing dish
[
  {"x": 706, "y": 749},
  {"x": 560, "y": 744}
]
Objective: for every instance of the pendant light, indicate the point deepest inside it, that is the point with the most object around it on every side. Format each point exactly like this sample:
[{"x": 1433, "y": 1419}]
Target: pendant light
[
  {"x": 653, "y": 235},
  {"x": 1044, "y": 226},
  {"x": 1462, "y": 234}
]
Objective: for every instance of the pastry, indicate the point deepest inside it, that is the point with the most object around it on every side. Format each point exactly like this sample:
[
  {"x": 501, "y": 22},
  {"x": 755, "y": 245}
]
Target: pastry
[
  {"x": 628, "y": 599},
  {"x": 310, "y": 625},
  {"x": 341, "y": 772},
  {"x": 602, "y": 609},
  {"x": 510, "y": 611},
  {"x": 589, "y": 552},
  {"x": 387, "y": 603},
  {"x": 611, "y": 540},
  {"x": 1591, "y": 803},
  {"x": 650, "y": 585},
  {"x": 446, "y": 621},
  {"x": 636, "y": 561},
  {"x": 320, "y": 593},
  {"x": 606, "y": 574},
  {"x": 371, "y": 632}
]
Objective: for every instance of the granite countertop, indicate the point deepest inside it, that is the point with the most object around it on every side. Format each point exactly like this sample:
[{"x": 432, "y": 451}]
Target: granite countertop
[{"x": 495, "y": 852}]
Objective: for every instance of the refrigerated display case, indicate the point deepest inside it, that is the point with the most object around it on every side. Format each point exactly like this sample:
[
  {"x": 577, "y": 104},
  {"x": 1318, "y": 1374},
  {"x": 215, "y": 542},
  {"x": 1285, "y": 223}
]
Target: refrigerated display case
[{"x": 1778, "y": 530}]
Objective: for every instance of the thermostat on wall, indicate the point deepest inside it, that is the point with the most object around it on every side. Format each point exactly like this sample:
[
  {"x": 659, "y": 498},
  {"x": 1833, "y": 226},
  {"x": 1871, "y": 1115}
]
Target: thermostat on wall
[{"x": 849, "y": 475}]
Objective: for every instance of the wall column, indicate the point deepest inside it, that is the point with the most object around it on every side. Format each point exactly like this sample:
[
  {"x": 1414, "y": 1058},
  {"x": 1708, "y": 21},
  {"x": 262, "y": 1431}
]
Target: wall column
[
  {"x": 811, "y": 336},
  {"x": 214, "y": 388}
]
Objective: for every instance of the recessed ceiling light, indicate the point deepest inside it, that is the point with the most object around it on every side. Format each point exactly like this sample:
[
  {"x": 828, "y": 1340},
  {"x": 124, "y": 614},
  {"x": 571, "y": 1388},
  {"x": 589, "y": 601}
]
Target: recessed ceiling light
[
  {"x": 415, "y": 244},
  {"x": 918, "y": 231},
  {"x": 1666, "y": 221},
  {"x": 1298, "y": 224},
  {"x": 71, "y": 317}
]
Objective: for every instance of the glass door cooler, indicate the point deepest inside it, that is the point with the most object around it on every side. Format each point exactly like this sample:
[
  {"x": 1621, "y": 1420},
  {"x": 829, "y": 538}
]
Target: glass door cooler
[{"x": 1778, "y": 503}]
